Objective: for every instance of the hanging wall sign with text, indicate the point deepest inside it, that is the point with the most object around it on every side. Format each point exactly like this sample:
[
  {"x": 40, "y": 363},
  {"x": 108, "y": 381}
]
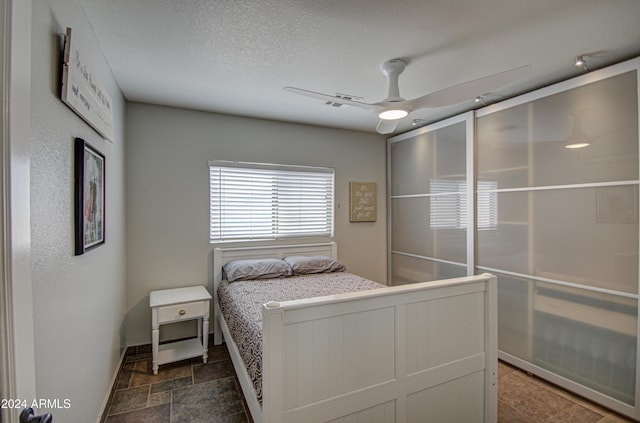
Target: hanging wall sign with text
[
  {"x": 81, "y": 89},
  {"x": 362, "y": 202}
]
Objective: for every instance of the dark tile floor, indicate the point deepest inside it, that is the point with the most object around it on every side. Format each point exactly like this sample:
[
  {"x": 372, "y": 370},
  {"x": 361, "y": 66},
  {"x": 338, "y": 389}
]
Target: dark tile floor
[
  {"x": 187, "y": 391},
  {"x": 192, "y": 392}
]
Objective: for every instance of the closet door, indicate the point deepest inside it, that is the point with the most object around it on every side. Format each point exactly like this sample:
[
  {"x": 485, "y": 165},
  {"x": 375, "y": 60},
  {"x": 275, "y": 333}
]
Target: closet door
[
  {"x": 430, "y": 219},
  {"x": 562, "y": 164}
]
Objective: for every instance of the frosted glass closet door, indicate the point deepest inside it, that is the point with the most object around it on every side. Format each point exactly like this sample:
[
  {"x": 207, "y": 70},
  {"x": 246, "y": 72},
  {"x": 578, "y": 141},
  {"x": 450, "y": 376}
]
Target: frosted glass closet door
[
  {"x": 428, "y": 203},
  {"x": 565, "y": 247}
]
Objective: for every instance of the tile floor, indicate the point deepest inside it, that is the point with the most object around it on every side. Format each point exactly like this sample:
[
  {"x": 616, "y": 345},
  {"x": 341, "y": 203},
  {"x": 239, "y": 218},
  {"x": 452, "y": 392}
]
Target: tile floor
[
  {"x": 523, "y": 398},
  {"x": 192, "y": 392},
  {"x": 184, "y": 392}
]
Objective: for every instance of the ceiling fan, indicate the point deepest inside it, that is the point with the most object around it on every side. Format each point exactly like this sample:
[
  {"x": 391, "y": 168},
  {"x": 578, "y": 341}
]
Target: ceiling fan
[{"x": 393, "y": 108}]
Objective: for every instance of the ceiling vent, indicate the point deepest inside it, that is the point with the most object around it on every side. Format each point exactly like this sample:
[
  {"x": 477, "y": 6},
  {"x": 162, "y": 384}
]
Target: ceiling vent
[{"x": 345, "y": 96}]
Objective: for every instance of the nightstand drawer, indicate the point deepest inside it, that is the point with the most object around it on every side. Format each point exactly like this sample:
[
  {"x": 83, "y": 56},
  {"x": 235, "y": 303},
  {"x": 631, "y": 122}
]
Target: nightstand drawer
[{"x": 185, "y": 311}]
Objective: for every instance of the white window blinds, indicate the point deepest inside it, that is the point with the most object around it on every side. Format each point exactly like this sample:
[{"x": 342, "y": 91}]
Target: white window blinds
[
  {"x": 487, "y": 205},
  {"x": 250, "y": 201},
  {"x": 448, "y": 204}
]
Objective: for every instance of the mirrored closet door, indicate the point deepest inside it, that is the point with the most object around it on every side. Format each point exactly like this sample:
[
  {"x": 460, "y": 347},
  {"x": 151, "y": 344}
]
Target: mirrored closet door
[
  {"x": 555, "y": 175},
  {"x": 430, "y": 213},
  {"x": 564, "y": 161}
]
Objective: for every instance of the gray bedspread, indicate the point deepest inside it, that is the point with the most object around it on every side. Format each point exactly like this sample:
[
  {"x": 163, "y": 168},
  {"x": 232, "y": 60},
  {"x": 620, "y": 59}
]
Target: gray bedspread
[{"x": 241, "y": 305}]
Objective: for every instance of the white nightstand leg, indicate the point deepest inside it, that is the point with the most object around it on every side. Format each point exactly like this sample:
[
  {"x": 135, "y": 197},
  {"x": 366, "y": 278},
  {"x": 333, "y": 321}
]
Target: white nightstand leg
[
  {"x": 155, "y": 340},
  {"x": 205, "y": 339}
]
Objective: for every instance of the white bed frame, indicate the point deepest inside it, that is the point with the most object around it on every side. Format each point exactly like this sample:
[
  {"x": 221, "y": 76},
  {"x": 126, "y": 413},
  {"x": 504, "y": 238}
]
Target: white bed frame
[{"x": 411, "y": 353}]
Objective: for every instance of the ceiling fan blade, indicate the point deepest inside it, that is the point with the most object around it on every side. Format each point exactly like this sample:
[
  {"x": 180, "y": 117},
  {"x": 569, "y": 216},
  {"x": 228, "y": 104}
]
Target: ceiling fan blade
[
  {"x": 334, "y": 99},
  {"x": 387, "y": 126},
  {"x": 468, "y": 90}
]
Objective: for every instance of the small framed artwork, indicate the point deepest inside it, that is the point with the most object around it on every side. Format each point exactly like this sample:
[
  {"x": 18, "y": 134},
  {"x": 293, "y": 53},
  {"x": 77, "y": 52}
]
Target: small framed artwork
[
  {"x": 89, "y": 197},
  {"x": 362, "y": 202}
]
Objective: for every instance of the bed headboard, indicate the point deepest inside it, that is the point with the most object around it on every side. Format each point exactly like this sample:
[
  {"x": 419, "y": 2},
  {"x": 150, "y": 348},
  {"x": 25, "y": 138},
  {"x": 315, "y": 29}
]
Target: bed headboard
[{"x": 220, "y": 256}]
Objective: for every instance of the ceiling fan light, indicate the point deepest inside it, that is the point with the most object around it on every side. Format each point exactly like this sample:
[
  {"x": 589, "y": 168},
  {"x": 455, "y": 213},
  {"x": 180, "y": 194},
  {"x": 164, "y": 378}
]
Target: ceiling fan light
[
  {"x": 575, "y": 145},
  {"x": 393, "y": 114}
]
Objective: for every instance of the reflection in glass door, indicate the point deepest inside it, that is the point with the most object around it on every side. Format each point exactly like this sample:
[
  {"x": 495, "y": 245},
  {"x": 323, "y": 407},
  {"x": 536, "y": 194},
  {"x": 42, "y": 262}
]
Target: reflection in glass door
[
  {"x": 565, "y": 247},
  {"x": 554, "y": 216},
  {"x": 430, "y": 213}
]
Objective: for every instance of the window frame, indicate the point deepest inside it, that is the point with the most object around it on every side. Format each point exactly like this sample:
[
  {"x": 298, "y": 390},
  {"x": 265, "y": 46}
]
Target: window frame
[{"x": 285, "y": 201}]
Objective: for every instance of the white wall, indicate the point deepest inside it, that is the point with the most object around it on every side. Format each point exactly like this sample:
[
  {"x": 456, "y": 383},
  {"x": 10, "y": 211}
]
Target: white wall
[
  {"x": 79, "y": 301},
  {"x": 167, "y": 153}
]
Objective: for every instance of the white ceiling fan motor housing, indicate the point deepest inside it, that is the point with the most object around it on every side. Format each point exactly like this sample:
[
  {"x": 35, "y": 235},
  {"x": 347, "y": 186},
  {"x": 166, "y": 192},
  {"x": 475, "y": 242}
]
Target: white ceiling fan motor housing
[{"x": 392, "y": 70}]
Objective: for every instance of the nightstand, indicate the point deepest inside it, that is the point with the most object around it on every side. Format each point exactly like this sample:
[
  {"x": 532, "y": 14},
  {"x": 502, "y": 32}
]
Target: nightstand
[{"x": 178, "y": 305}]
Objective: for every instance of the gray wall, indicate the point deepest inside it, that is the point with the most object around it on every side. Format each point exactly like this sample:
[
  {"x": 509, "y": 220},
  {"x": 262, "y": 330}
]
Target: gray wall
[
  {"x": 167, "y": 156},
  {"x": 78, "y": 301}
]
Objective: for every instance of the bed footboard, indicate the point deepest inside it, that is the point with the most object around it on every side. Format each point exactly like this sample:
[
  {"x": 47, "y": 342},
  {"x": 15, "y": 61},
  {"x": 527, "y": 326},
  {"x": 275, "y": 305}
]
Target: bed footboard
[{"x": 400, "y": 354}]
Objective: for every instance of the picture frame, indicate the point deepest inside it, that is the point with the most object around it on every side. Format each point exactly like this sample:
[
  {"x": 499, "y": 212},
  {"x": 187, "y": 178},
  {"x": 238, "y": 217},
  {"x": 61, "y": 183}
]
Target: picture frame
[
  {"x": 81, "y": 88},
  {"x": 89, "y": 193},
  {"x": 363, "y": 201}
]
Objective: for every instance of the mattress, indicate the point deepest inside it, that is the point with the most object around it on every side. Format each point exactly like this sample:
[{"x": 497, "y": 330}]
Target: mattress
[{"x": 241, "y": 305}]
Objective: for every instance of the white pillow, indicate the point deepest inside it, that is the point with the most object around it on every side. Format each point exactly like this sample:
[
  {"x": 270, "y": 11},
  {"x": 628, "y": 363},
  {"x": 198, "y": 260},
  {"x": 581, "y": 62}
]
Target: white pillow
[
  {"x": 256, "y": 269},
  {"x": 304, "y": 265}
]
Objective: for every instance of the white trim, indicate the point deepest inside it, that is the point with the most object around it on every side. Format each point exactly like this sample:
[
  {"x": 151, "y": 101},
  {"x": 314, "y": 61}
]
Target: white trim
[
  {"x": 389, "y": 215},
  {"x": 431, "y": 194},
  {"x": 472, "y": 198},
  {"x": 270, "y": 166},
  {"x": 114, "y": 378},
  {"x": 429, "y": 128},
  {"x": 568, "y": 186},
  {"x": 637, "y": 399},
  {"x": 561, "y": 283},
  {"x": 568, "y": 84},
  {"x": 15, "y": 199},
  {"x": 7, "y": 376},
  {"x": 455, "y": 263},
  {"x": 491, "y": 348}
]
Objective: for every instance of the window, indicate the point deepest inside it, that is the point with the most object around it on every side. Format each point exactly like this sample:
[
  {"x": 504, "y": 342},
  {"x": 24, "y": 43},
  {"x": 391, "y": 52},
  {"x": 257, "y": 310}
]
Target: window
[
  {"x": 487, "y": 205},
  {"x": 251, "y": 201},
  {"x": 448, "y": 209}
]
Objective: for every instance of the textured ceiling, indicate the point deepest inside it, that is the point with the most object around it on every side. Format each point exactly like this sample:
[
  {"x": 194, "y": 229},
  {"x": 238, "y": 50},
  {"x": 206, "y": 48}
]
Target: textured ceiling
[{"x": 235, "y": 56}]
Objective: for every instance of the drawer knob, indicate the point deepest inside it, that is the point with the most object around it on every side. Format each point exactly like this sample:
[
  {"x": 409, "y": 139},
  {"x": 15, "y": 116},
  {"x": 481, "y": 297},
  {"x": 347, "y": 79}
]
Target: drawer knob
[{"x": 182, "y": 312}]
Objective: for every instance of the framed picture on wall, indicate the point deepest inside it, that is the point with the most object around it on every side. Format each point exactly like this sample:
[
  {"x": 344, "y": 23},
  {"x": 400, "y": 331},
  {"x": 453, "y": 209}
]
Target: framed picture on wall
[
  {"x": 362, "y": 202},
  {"x": 89, "y": 197}
]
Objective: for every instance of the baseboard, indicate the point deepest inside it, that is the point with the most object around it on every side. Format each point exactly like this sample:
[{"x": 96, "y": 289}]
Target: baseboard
[{"x": 103, "y": 411}]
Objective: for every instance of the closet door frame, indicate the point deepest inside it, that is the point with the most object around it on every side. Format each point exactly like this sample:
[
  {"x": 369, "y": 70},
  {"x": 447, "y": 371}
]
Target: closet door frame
[
  {"x": 594, "y": 76},
  {"x": 469, "y": 119},
  {"x": 472, "y": 248},
  {"x": 17, "y": 354}
]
